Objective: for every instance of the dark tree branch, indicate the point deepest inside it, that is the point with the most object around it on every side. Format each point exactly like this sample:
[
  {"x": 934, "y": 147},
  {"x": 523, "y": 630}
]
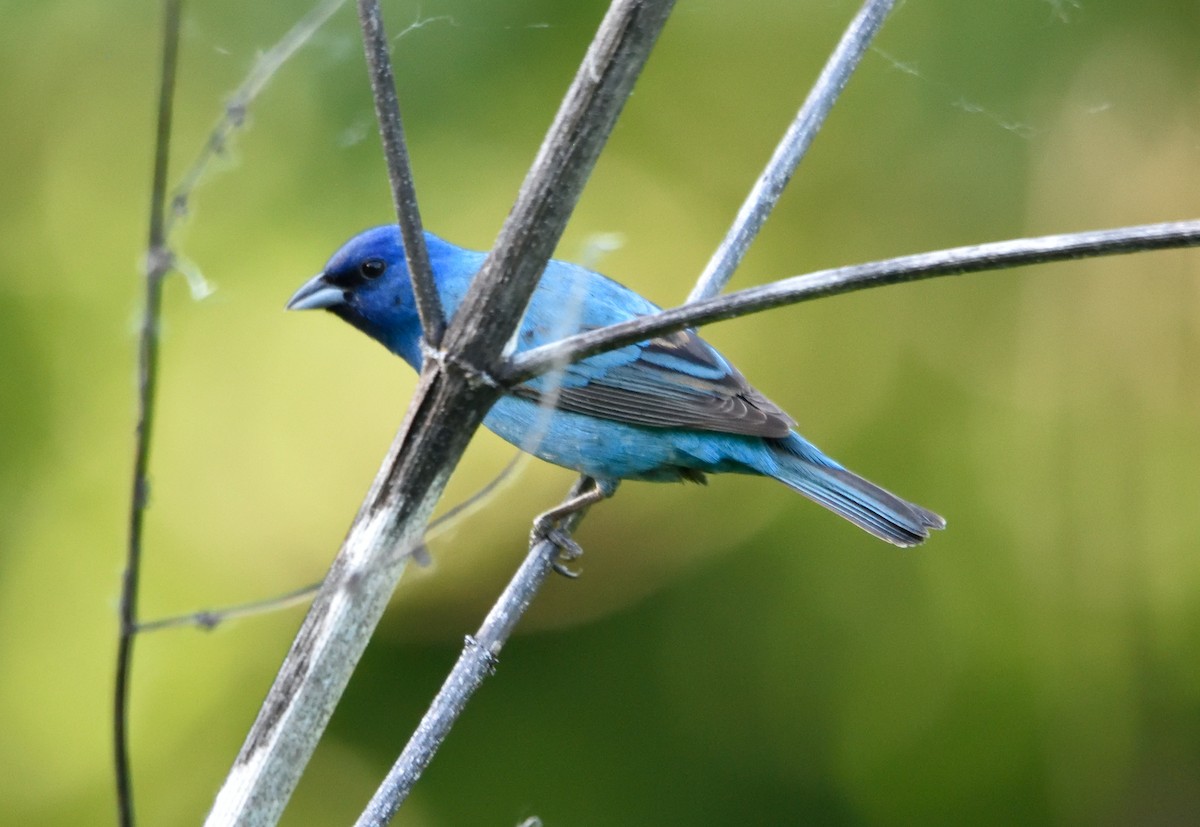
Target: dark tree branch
[
  {"x": 533, "y": 228},
  {"x": 158, "y": 264},
  {"x": 452, "y": 397},
  {"x": 976, "y": 258},
  {"x": 792, "y": 148},
  {"x": 395, "y": 150}
]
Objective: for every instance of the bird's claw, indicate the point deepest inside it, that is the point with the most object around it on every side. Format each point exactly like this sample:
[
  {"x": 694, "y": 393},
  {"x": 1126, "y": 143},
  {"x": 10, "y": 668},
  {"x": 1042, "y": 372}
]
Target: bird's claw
[{"x": 567, "y": 550}]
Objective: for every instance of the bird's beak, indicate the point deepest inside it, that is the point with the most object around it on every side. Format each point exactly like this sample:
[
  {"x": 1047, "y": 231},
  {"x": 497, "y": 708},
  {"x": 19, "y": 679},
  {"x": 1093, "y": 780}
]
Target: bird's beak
[{"x": 316, "y": 294}]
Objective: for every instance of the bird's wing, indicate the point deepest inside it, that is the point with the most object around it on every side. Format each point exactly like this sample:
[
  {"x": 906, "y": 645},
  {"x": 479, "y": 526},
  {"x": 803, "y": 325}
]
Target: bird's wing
[{"x": 674, "y": 381}]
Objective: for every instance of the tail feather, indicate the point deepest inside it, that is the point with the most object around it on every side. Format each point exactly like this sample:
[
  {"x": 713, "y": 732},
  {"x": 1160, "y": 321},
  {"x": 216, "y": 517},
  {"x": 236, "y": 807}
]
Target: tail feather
[{"x": 860, "y": 501}]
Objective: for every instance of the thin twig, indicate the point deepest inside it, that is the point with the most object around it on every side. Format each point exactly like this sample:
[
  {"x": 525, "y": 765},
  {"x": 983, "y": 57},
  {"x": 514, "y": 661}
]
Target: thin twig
[
  {"x": 234, "y": 116},
  {"x": 997, "y": 255},
  {"x": 211, "y": 618},
  {"x": 158, "y": 264},
  {"x": 451, "y": 400},
  {"x": 477, "y": 660},
  {"x": 765, "y": 193},
  {"x": 208, "y": 619},
  {"x": 395, "y": 150}
]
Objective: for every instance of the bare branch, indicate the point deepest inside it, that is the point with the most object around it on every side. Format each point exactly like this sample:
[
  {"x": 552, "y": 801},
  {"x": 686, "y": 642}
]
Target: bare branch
[
  {"x": 451, "y": 400},
  {"x": 765, "y": 193},
  {"x": 477, "y": 660},
  {"x": 395, "y": 150},
  {"x": 158, "y": 264},
  {"x": 997, "y": 255}
]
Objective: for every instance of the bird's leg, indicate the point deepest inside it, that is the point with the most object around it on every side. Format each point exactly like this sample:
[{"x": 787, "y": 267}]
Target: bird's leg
[{"x": 551, "y": 525}]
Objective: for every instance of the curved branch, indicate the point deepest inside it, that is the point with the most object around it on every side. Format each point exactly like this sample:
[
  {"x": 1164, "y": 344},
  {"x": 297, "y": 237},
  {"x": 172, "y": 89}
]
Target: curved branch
[
  {"x": 159, "y": 262},
  {"x": 976, "y": 258}
]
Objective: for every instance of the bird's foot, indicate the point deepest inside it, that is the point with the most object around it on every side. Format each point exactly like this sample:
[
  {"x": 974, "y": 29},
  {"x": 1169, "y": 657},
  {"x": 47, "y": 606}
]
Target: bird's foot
[
  {"x": 567, "y": 549},
  {"x": 554, "y": 526}
]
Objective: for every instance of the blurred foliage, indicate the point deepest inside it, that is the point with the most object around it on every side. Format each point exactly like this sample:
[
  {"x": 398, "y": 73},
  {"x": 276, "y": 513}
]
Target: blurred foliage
[{"x": 734, "y": 654}]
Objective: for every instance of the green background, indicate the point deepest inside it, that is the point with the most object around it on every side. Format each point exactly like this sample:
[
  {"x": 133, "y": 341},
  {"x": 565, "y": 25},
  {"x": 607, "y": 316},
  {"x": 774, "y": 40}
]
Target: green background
[{"x": 732, "y": 655}]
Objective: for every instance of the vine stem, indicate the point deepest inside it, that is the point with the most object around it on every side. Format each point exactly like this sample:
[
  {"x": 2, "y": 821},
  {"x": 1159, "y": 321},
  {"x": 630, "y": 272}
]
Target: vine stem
[{"x": 158, "y": 264}]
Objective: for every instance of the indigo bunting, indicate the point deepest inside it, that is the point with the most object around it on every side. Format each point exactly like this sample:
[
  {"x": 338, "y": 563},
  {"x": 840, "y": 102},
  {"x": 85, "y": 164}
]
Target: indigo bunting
[{"x": 668, "y": 409}]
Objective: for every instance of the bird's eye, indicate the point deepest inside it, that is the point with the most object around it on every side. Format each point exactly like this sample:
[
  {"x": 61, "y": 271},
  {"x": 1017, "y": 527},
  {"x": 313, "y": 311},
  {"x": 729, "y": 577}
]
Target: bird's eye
[{"x": 372, "y": 268}]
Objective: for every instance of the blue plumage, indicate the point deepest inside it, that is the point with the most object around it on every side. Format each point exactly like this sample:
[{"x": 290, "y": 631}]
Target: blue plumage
[{"x": 664, "y": 410}]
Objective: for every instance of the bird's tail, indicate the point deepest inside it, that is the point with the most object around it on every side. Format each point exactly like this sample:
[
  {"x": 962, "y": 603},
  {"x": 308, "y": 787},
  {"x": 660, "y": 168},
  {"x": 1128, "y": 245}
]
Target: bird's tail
[{"x": 802, "y": 467}]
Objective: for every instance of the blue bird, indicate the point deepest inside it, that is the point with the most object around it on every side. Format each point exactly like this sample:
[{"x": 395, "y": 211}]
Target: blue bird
[{"x": 668, "y": 409}]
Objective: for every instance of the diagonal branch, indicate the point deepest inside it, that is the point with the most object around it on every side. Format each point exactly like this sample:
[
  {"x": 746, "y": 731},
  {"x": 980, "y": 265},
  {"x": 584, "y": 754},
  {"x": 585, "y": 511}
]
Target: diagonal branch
[
  {"x": 532, "y": 230},
  {"x": 477, "y": 660},
  {"x": 451, "y": 400},
  {"x": 976, "y": 258},
  {"x": 395, "y": 150},
  {"x": 792, "y": 148}
]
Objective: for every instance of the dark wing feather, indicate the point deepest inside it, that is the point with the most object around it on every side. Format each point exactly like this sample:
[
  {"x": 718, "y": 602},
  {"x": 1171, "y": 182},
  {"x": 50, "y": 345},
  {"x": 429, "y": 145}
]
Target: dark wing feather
[{"x": 676, "y": 381}]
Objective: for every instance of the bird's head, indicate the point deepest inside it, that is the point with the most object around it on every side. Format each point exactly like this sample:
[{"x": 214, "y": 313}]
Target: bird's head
[{"x": 366, "y": 283}]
